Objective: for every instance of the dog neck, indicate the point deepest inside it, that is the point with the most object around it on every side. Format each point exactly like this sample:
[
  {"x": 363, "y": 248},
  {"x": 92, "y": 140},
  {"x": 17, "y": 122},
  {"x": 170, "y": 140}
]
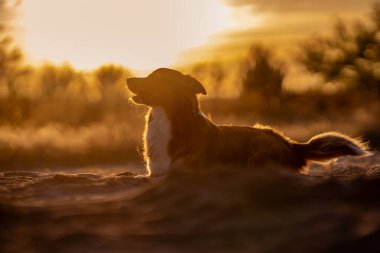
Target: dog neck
[
  {"x": 169, "y": 134},
  {"x": 158, "y": 133}
]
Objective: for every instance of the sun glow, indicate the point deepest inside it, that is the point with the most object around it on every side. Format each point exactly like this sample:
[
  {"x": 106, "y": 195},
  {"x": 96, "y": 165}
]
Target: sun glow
[{"x": 141, "y": 34}]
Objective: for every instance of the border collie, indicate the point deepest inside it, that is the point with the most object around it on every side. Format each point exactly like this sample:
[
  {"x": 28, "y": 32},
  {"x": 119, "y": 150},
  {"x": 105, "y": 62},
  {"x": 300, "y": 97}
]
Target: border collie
[{"x": 178, "y": 135}]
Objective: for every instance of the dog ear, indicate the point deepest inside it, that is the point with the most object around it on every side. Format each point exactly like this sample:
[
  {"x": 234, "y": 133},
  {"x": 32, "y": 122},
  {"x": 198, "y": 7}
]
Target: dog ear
[{"x": 195, "y": 85}]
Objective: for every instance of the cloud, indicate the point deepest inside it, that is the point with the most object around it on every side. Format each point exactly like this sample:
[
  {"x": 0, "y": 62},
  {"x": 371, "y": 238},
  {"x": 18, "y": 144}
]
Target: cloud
[
  {"x": 282, "y": 26},
  {"x": 301, "y": 5},
  {"x": 280, "y": 30}
]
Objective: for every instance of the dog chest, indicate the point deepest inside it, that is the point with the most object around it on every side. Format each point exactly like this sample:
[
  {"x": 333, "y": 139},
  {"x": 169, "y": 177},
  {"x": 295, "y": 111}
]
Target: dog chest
[{"x": 157, "y": 138}]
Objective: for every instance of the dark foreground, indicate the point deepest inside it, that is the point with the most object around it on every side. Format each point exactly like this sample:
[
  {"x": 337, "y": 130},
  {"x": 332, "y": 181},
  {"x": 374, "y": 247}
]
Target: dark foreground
[{"x": 214, "y": 210}]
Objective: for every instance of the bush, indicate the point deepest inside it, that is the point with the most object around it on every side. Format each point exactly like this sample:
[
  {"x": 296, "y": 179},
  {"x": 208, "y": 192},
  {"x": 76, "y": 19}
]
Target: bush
[
  {"x": 351, "y": 56},
  {"x": 262, "y": 74}
]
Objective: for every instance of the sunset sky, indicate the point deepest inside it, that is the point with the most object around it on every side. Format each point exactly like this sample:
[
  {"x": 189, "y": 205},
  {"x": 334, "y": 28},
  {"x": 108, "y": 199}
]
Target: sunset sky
[{"x": 146, "y": 34}]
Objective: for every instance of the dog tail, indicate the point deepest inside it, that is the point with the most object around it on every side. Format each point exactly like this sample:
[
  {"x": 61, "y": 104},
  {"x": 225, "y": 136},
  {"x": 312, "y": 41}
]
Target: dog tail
[{"x": 330, "y": 145}]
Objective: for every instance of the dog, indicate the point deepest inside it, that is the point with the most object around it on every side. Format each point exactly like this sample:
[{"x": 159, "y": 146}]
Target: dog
[{"x": 178, "y": 135}]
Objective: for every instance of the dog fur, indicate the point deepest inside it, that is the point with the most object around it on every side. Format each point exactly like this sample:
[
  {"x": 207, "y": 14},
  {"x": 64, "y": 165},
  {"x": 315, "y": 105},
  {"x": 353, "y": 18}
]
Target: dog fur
[
  {"x": 157, "y": 137},
  {"x": 178, "y": 135}
]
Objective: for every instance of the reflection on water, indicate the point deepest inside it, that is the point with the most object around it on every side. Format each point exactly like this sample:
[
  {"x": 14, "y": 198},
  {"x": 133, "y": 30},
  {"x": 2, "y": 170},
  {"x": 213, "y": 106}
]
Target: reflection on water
[{"x": 212, "y": 210}]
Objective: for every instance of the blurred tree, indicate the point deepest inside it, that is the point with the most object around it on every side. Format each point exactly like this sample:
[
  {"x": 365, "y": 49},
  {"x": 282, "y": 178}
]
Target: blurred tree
[
  {"x": 45, "y": 94},
  {"x": 110, "y": 75},
  {"x": 11, "y": 57},
  {"x": 218, "y": 75},
  {"x": 262, "y": 74},
  {"x": 54, "y": 79},
  {"x": 350, "y": 56},
  {"x": 112, "y": 85},
  {"x": 199, "y": 70},
  {"x": 212, "y": 74}
]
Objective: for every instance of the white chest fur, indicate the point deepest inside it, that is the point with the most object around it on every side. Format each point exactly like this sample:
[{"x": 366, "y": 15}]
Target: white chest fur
[{"x": 157, "y": 138}]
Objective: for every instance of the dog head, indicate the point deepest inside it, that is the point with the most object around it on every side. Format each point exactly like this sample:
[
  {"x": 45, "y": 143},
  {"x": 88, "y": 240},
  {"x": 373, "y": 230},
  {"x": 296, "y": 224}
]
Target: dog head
[{"x": 164, "y": 87}]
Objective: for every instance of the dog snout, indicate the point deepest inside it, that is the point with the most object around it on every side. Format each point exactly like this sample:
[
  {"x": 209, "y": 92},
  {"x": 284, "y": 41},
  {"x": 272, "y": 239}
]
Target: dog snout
[{"x": 135, "y": 84}]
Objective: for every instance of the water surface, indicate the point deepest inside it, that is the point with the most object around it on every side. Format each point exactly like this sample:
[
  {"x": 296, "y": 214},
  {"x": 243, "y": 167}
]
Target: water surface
[{"x": 209, "y": 210}]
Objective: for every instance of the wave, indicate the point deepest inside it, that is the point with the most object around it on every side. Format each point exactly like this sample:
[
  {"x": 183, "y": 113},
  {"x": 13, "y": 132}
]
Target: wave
[{"x": 217, "y": 209}]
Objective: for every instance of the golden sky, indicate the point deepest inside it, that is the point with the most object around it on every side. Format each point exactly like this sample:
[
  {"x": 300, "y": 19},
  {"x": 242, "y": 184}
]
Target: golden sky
[{"x": 147, "y": 34}]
